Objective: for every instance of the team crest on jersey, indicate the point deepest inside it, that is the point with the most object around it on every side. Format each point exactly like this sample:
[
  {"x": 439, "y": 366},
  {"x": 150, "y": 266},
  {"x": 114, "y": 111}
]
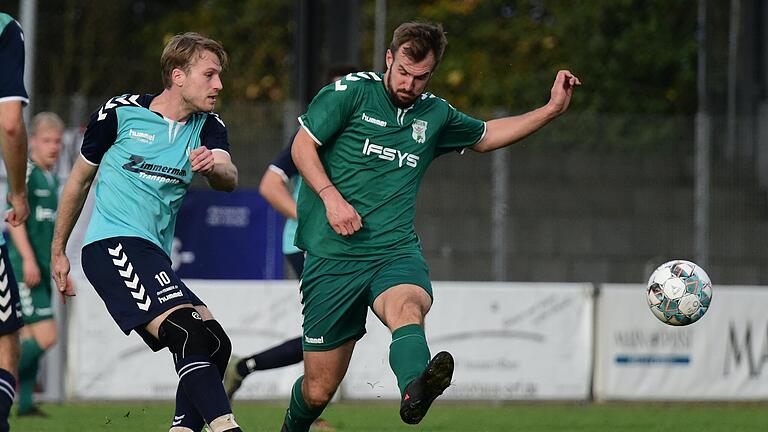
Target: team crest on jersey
[{"x": 419, "y": 130}]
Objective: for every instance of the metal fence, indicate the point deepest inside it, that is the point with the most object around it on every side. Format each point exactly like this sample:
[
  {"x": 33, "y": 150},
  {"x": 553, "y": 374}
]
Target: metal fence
[{"x": 592, "y": 197}]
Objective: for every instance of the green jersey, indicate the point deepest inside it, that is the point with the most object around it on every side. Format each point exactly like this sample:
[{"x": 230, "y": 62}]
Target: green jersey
[
  {"x": 375, "y": 153},
  {"x": 42, "y": 195}
]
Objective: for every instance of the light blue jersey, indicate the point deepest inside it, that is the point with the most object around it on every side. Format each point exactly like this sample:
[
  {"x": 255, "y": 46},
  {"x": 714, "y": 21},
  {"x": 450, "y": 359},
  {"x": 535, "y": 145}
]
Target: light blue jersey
[
  {"x": 144, "y": 167},
  {"x": 289, "y": 232},
  {"x": 284, "y": 166}
]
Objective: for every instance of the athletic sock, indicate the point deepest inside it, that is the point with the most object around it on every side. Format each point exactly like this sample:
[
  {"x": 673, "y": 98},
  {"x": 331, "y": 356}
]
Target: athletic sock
[
  {"x": 7, "y": 393},
  {"x": 30, "y": 354},
  {"x": 299, "y": 416},
  {"x": 29, "y": 364},
  {"x": 201, "y": 382},
  {"x": 408, "y": 354},
  {"x": 186, "y": 414},
  {"x": 285, "y": 354}
]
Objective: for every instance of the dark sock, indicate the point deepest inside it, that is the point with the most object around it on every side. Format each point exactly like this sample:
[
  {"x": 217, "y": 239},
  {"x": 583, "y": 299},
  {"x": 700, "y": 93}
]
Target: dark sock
[
  {"x": 186, "y": 414},
  {"x": 299, "y": 416},
  {"x": 408, "y": 354},
  {"x": 285, "y": 354},
  {"x": 30, "y": 355},
  {"x": 29, "y": 364},
  {"x": 201, "y": 382},
  {"x": 7, "y": 393}
]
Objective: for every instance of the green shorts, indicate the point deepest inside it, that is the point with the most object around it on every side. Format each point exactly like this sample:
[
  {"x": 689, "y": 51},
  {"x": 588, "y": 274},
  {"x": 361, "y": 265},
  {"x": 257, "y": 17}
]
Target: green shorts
[
  {"x": 336, "y": 294},
  {"x": 36, "y": 302}
]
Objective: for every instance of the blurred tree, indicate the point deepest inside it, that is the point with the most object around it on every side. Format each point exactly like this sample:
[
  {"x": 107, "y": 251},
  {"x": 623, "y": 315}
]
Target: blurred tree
[
  {"x": 99, "y": 49},
  {"x": 634, "y": 56}
]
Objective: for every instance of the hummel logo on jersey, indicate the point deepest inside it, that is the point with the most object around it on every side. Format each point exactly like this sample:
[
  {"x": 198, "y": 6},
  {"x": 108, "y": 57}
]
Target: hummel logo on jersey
[
  {"x": 312, "y": 340},
  {"x": 390, "y": 154},
  {"x": 141, "y": 136},
  {"x": 377, "y": 122}
]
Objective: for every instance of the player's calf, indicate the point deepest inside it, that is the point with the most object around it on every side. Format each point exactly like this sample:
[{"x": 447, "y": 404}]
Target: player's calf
[{"x": 188, "y": 338}]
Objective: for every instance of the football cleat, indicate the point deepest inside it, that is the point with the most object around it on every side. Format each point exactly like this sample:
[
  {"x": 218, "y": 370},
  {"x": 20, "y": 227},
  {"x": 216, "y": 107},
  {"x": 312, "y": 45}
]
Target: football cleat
[
  {"x": 232, "y": 379},
  {"x": 422, "y": 391}
]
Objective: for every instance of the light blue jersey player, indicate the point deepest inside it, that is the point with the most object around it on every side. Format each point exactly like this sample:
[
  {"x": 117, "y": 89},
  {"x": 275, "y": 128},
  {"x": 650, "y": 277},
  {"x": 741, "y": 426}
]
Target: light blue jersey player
[
  {"x": 146, "y": 149},
  {"x": 13, "y": 137}
]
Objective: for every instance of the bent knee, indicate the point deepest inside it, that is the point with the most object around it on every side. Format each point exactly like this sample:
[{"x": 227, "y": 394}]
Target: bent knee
[
  {"x": 317, "y": 396},
  {"x": 46, "y": 341}
]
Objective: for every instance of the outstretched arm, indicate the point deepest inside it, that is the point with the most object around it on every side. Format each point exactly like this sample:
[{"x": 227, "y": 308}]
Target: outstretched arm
[
  {"x": 508, "y": 130},
  {"x": 342, "y": 217},
  {"x": 71, "y": 204}
]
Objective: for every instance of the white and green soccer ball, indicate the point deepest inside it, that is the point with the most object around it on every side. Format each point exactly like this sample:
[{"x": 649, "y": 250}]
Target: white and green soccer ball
[{"x": 679, "y": 292}]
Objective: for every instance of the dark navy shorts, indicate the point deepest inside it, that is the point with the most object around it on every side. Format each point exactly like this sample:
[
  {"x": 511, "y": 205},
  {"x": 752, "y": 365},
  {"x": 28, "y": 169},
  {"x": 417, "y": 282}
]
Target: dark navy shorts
[
  {"x": 134, "y": 278},
  {"x": 10, "y": 304},
  {"x": 12, "y": 66}
]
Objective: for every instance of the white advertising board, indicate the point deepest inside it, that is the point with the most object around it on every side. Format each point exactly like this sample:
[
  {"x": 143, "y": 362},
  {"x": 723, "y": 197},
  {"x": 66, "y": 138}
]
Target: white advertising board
[
  {"x": 722, "y": 356},
  {"x": 510, "y": 341},
  {"x": 103, "y": 363}
]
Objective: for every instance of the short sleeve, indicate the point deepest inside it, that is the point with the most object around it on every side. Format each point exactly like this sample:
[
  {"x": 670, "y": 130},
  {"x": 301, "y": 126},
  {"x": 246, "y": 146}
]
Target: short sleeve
[
  {"x": 100, "y": 135},
  {"x": 213, "y": 135},
  {"x": 12, "y": 64},
  {"x": 284, "y": 163},
  {"x": 460, "y": 131},
  {"x": 331, "y": 109}
]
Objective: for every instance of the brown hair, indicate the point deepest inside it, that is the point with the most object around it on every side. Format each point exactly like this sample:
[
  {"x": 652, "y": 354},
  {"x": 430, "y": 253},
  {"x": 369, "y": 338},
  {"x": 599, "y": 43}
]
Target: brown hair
[
  {"x": 423, "y": 38},
  {"x": 181, "y": 51}
]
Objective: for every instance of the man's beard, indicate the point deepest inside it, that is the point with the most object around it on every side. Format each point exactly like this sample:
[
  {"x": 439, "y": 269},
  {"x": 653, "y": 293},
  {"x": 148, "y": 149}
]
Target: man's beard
[{"x": 393, "y": 95}]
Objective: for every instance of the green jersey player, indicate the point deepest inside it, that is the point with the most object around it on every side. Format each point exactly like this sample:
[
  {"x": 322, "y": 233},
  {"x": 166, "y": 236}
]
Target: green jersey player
[
  {"x": 364, "y": 145},
  {"x": 30, "y": 253}
]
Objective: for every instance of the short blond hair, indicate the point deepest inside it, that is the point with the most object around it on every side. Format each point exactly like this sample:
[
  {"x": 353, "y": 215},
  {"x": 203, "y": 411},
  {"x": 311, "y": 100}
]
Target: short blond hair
[
  {"x": 182, "y": 50},
  {"x": 46, "y": 120}
]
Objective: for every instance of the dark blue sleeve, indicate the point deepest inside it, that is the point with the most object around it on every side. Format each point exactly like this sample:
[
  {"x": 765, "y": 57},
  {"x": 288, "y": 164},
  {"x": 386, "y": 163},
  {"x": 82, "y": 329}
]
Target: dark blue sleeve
[
  {"x": 214, "y": 133},
  {"x": 284, "y": 161},
  {"x": 100, "y": 134},
  {"x": 12, "y": 63}
]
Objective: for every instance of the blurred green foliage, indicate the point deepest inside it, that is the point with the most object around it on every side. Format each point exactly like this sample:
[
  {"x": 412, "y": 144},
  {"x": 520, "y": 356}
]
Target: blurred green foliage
[
  {"x": 636, "y": 58},
  {"x": 633, "y": 56}
]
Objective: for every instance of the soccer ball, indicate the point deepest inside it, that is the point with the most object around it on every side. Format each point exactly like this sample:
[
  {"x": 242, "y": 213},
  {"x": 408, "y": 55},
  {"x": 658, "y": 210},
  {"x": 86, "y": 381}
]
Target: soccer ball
[{"x": 679, "y": 292}]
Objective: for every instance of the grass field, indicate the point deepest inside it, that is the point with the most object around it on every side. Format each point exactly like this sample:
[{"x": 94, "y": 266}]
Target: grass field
[{"x": 444, "y": 417}]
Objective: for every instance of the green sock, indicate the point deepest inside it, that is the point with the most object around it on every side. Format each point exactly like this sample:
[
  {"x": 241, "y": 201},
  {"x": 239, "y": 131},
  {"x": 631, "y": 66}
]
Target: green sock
[
  {"x": 29, "y": 362},
  {"x": 299, "y": 416},
  {"x": 408, "y": 354}
]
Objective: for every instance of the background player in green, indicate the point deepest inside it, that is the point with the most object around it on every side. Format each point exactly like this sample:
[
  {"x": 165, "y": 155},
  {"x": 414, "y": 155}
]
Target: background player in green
[
  {"x": 364, "y": 145},
  {"x": 13, "y": 139},
  {"x": 30, "y": 253}
]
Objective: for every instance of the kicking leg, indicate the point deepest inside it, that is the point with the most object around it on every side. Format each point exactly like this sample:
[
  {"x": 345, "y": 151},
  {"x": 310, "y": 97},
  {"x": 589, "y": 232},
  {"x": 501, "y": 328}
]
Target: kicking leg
[
  {"x": 402, "y": 309},
  {"x": 183, "y": 331},
  {"x": 323, "y": 372}
]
